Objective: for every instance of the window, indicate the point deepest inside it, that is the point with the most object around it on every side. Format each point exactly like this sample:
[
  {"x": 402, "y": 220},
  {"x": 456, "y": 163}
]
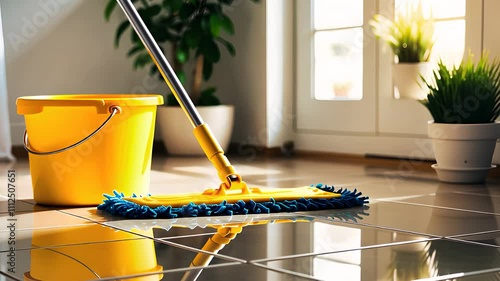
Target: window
[
  {"x": 338, "y": 49},
  {"x": 344, "y": 75},
  {"x": 335, "y": 65},
  {"x": 449, "y": 17}
]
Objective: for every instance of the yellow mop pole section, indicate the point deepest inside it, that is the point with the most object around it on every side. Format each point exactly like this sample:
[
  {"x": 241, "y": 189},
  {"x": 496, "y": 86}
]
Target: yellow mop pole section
[{"x": 223, "y": 236}]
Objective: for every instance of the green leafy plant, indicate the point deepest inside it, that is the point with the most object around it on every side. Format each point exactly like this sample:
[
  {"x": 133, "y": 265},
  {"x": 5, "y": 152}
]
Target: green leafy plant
[
  {"x": 467, "y": 94},
  {"x": 410, "y": 35},
  {"x": 194, "y": 30}
]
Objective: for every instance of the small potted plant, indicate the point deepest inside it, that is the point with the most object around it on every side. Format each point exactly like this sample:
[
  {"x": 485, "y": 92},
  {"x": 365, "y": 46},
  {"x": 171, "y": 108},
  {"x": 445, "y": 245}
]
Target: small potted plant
[
  {"x": 193, "y": 31},
  {"x": 464, "y": 102},
  {"x": 411, "y": 38}
]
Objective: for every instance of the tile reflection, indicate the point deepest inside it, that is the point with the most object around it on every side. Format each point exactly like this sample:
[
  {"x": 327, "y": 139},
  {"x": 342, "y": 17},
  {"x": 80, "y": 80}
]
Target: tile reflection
[
  {"x": 283, "y": 238},
  {"x": 478, "y": 197},
  {"x": 411, "y": 261},
  {"x": 425, "y": 220},
  {"x": 84, "y": 260}
]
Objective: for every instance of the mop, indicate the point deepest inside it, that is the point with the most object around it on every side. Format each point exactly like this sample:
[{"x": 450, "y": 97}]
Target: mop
[{"x": 233, "y": 197}]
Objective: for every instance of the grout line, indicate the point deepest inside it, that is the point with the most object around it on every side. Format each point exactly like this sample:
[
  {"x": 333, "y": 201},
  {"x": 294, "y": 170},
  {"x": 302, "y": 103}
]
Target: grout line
[
  {"x": 461, "y": 274},
  {"x": 183, "y": 269},
  {"x": 343, "y": 251},
  {"x": 438, "y": 207},
  {"x": 473, "y": 234},
  {"x": 192, "y": 249},
  {"x": 285, "y": 271},
  {"x": 391, "y": 199},
  {"x": 432, "y": 236},
  {"x": 72, "y": 245},
  {"x": 471, "y": 242}
]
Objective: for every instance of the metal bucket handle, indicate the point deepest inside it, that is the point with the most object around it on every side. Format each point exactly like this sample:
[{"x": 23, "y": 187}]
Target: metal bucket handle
[{"x": 114, "y": 109}]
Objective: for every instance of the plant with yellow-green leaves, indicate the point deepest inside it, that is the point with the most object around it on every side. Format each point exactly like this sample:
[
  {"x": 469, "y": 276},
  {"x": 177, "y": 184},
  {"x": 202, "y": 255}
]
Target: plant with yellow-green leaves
[{"x": 410, "y": 35}]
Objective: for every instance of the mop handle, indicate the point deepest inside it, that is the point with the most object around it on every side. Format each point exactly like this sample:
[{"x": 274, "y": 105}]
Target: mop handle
[
  {"x": 214, "y": 152},
  {"x": 161, "y": 62}
]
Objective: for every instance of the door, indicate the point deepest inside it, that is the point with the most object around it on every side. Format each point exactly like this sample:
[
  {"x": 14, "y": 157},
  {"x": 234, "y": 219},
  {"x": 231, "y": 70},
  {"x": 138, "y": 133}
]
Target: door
[{"x": 372, "y": 120}]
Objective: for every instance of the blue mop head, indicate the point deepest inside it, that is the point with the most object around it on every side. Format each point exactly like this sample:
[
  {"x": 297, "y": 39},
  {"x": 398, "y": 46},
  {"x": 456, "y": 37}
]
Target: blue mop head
[{"x": 118, "y": 205}]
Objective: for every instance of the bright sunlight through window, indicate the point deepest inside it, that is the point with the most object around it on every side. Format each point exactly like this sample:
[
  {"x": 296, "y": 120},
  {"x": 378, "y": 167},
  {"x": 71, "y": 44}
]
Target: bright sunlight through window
[
  {"x": 338, "y": 42},
  {"x": 449, "y": 24},
  {"x": 338, "y": 49}
]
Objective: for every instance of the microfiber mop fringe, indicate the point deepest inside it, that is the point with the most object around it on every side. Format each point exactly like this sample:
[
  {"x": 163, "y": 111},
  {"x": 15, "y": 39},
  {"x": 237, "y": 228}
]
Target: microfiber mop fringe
[{"x": 118, "y": 205}]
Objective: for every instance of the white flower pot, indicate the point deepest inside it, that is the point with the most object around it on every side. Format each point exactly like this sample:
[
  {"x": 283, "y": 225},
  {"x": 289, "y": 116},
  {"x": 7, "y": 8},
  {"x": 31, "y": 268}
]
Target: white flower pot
[
  {"x": 463, "y": 151},
  {"x": 407, "y": 81},
  {"x": 177, "y": 132}
]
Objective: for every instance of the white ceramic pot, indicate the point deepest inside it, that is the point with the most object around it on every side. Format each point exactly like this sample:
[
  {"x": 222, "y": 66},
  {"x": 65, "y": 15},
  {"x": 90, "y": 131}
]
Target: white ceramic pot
[
  {"x": 407, "y": 81},
  {"x": 177, "y": 132},
  {"x": 463, "y": 151}
]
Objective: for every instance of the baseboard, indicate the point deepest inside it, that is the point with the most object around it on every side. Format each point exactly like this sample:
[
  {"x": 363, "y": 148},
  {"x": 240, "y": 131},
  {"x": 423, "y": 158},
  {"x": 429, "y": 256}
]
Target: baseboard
[{"x": 237, "y": 149}]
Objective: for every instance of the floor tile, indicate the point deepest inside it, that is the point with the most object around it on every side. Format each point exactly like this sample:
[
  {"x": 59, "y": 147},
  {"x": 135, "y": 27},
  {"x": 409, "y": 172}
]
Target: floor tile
[
  {"x": 282, "y": 238},
  {"x": 490, "y": 238},
  {"x": 60, "y": 236},
  {"x": 423, "y": 219},
  {"x": 40, "y": 219},
  {"x": 406, "y": 206},
  {"x": 400, "y": 262},
  {"x": 231, "y": 271},
  {"x": 20, "y": 206},
  {"x": 480, "y": 198},
  {"x": 482, "y": 275},
  {"x": 90, "y": 261}
]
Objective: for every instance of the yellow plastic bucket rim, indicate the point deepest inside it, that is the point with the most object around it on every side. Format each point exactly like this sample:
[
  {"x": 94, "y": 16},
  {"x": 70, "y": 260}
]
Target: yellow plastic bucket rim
[{"x": 102, "y": 102}]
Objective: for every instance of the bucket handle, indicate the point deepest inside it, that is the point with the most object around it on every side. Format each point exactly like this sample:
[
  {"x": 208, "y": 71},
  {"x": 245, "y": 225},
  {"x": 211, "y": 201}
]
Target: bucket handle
[{"x": 114, "y": 109}]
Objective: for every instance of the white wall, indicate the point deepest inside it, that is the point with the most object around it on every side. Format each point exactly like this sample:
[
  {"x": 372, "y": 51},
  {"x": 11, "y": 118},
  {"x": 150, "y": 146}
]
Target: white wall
[
  {"x": 65, "y": 46},
  {"x": 280, "y": 62},
  {"x": 491, "y": 40},
  {"x": 241, "y": 80}
]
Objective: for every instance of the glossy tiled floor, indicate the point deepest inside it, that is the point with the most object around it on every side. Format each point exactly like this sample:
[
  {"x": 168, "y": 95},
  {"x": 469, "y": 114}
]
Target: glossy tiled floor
[{"x": 414, "y": 228}]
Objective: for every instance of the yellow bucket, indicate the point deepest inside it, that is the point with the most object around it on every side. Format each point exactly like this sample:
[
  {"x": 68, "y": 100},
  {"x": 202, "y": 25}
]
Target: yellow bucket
[{"x": 81, "y": 146}]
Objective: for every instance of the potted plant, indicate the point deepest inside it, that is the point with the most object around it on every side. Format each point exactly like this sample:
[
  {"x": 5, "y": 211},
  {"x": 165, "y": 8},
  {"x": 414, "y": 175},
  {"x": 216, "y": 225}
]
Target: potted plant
[
  {"x": 192, "y": 30},
  {"x": 464, "y": 102},
  {"x": 411, "y": 38}
]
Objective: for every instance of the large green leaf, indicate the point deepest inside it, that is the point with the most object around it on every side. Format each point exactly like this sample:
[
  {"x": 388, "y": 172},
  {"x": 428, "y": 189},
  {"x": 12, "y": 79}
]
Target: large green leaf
[
  {"x": 208, "y": 98},
  {"x": 173, "y": 5},
  {"x": 209, "y": 50},
  {"x": 192, "y": 38},
  {"x": 227, "y": 24},
  {"x": 109, "y": 9},
  {"x": 207, "y": 69},
  {"x": 172, "y": 101},
  {"x": 215, "y": 24},
  {"x": 182, "y": 55},
  {"x": 187, "y": 11},
  {"x": 149, "y": 12},
  {"x": 137, "y": 48},
  {"x": 120, "y": 30},
  {"x": 229, "y": 46},
  {"x": 181, "y": 75},
  {"x": 142, "y": 60},
  {"x": 134, "y": 37}
]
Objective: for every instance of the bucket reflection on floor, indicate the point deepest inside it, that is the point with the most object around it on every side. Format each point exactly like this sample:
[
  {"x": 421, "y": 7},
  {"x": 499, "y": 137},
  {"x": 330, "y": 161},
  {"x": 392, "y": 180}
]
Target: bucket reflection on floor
[{"x": 92, "y": 252}]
